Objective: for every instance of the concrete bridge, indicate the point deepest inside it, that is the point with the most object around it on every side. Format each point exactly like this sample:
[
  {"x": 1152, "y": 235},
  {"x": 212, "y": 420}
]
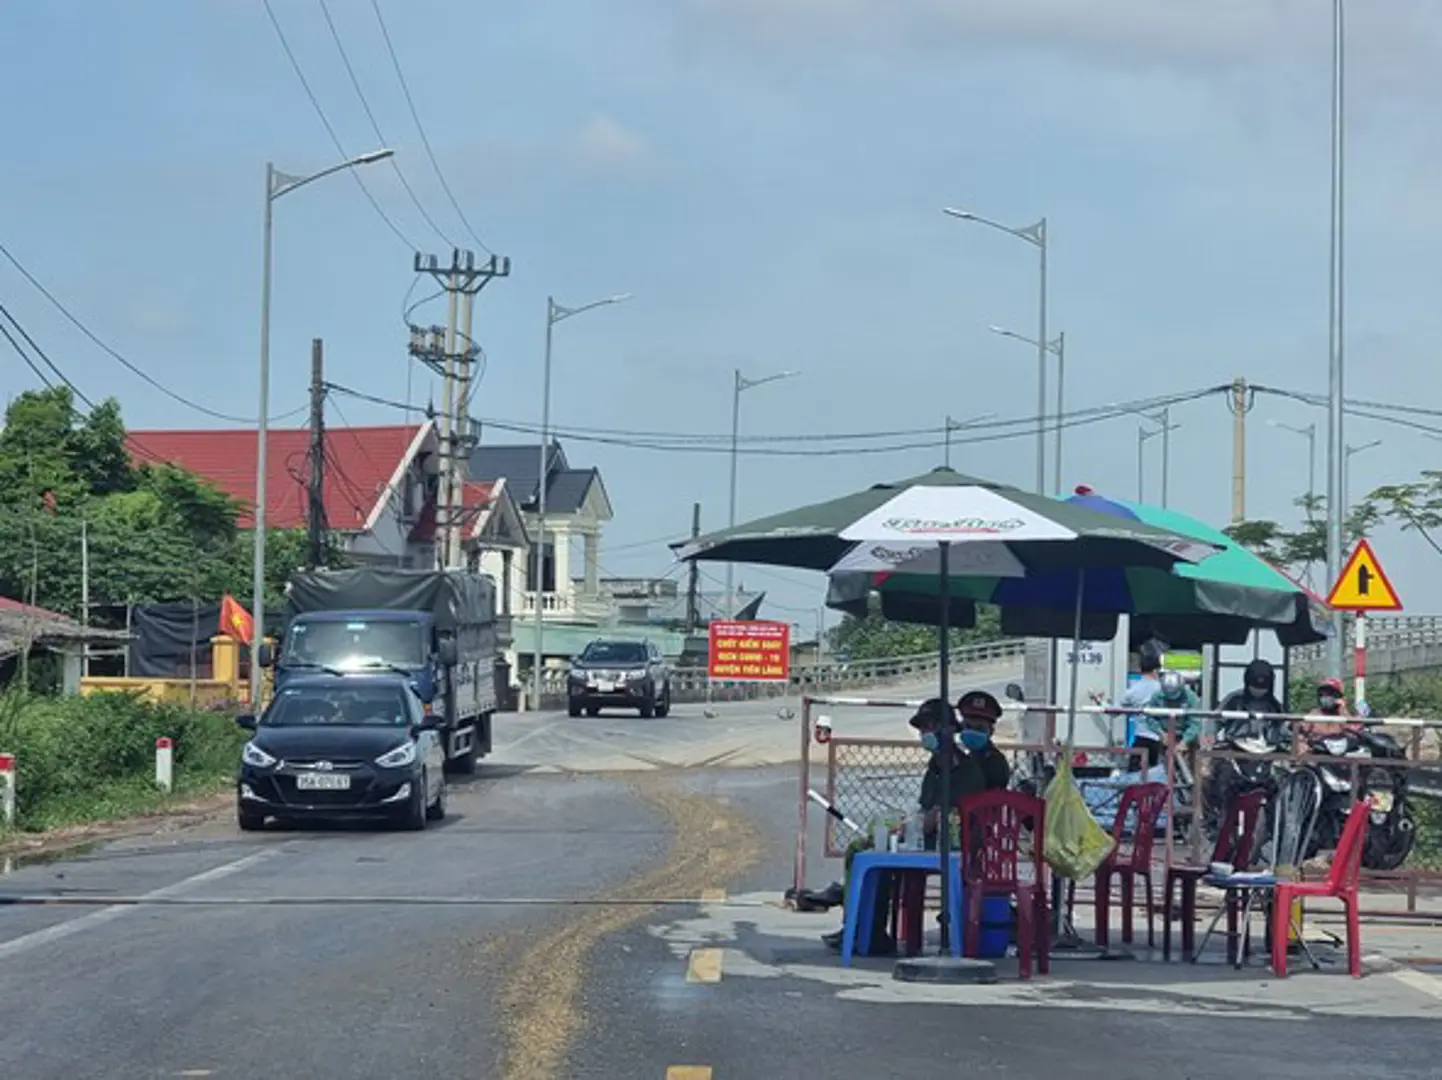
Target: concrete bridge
[{"x": 1395, "y": 644}]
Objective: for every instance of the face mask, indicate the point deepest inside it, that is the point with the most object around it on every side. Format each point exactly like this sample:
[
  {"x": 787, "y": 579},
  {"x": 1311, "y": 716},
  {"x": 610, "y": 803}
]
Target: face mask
[
  {"x": 1329, "y": 702},
  {"x": 931, "y": 741},
  {"x": 1257, "y": 691},
  {"x": 974, "y": 740}
]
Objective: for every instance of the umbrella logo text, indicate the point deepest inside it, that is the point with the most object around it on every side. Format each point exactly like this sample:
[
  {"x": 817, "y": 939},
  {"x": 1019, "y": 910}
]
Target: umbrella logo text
[{"x": 955, "y": 527}]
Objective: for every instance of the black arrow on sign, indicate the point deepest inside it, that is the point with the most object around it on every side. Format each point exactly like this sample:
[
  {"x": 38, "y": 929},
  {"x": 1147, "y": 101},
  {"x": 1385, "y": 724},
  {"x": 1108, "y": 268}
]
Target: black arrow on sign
[{"x": 1364, "y": 580}]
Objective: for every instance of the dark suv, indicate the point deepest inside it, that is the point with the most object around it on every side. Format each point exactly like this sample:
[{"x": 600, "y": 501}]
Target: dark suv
[{"x": 619, "y": 674}]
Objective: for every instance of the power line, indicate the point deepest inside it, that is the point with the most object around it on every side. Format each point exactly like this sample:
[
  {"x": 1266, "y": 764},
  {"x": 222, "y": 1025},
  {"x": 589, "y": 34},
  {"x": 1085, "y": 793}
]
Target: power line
[
  {"x": 425, "y": 140},
  {"x": 330, "y": 130},
  {"x": 115, "y": 355},
  {"x": 40, "y": 353},
  {"x": 375, "y": 124},
  {"x": 26, "y": 357}
]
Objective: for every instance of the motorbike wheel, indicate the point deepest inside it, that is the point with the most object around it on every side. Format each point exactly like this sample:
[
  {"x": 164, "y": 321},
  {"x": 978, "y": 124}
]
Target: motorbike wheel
[{"x": 1388, "y": 847}]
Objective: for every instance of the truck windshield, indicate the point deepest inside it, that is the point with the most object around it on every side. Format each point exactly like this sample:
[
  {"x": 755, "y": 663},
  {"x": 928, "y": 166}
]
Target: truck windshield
[
  {"x": 614, "y": 652},
  {"x": 305, "y": 705},
  {"x": 355, "y": 644}
]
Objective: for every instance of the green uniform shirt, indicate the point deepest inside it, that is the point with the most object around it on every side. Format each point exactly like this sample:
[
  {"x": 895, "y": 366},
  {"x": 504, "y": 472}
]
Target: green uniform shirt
[{"x": 970, "y": 775}]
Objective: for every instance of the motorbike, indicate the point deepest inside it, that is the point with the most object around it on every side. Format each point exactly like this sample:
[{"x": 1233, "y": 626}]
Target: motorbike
[
  {"x": 1230, "y": 776},
  {"x": 1392, "y": 829}
]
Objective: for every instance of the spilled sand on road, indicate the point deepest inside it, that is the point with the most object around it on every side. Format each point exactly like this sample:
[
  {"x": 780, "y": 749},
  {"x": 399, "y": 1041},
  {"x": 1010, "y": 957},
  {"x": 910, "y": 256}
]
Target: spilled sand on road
[{"x": 541, "y": 1000}]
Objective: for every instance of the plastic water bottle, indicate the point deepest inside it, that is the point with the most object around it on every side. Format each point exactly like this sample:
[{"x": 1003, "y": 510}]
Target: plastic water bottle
[
  {"x": 879, "y": 833},
  {"x": 915, "y": 832}
]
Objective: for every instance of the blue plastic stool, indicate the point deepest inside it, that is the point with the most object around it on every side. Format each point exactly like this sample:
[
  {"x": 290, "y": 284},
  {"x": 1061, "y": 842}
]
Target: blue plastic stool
[{"x": 863, "y": 890}]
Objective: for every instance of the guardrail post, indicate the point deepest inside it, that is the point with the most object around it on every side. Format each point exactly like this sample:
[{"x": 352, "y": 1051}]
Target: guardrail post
[
  {"x": 804, "y": 769},
  {"x": 7, "y": 789},
  {"x": 164, "y": 763}
]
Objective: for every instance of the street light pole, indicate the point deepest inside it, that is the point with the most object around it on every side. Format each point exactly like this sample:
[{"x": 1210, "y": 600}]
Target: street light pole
[
  {"x": 554, "y": 313},
  {"x": 1347, "y": 473},
  {"x": 277, "y": 184},
  {"x": 741, "y": 383},
  {"x": 961, "y": 425},
  {"x": 1058, "y": 349},
  {"x": 1036, "y": 235},
  {"x": 1336, "y": 383},
  {"x": 1310, "y": 434}
]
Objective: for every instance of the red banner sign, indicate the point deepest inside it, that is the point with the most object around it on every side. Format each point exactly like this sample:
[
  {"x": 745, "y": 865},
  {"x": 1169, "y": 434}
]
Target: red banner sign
[{"x": 749, "y": 651}]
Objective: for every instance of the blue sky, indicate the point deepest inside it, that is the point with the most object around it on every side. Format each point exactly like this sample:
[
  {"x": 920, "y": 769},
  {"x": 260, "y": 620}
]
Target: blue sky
[{"x": 766, "y": 176}]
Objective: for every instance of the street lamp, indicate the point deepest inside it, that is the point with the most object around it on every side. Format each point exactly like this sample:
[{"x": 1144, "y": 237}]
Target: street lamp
[
  {"x": 1310, "y": 434},
  {"x": 961, "y": 425},
  {"x": 277, "y": 183},
  {"x": 1164, "y": 429},
  {"x": 1058, "y": 349},
  {"x": 1036, "y": 235},
  {"x": 1347, "y": 472},
  {"x": 742, "y": 383},
  {"x": 554, "y": 313},
  {"x": 1336, "y": 366}
]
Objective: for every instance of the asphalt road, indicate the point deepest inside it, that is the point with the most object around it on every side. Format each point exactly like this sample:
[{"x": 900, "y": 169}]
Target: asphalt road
[{"x": 526, "y": 985}]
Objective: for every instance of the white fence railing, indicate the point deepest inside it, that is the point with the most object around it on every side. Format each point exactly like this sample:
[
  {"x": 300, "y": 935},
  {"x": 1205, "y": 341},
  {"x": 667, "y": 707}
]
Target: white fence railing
[
  {"x": 1385, "y": 634},
  {"x": 691, "y": 684}
]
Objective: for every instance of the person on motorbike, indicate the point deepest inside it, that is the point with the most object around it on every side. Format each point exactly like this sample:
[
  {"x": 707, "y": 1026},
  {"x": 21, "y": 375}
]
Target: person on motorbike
[
  {"x": 1331, "y": 703},
  {"x": 1259, "y": 698},
  {"x": 1148, "y": 733}
]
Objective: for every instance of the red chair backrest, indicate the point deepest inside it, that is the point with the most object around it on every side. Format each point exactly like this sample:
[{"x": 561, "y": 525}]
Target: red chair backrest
[
  {"x": 1234, "y": 841},
  {"x": 991, "y": 826},
  {"x": 1143, "y": 804},
  {"x": 1347, "y": 859}
]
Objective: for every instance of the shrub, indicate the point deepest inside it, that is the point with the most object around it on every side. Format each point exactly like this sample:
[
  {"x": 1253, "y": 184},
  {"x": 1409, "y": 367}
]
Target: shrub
[{"x": 82, "y": 758}]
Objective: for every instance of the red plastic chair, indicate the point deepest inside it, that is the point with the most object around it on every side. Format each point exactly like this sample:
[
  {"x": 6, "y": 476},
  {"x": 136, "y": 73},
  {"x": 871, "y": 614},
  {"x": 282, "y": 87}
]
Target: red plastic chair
[
  {"x": 991, "y": 826},
  {"x": 1131, "y": 858},
  {"x": 1342, "y": 883},
  {"x": 1234, "y": 845}
]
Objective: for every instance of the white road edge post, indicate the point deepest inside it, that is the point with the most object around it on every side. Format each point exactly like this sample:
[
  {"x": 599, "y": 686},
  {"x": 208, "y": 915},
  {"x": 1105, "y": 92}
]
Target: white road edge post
[
  {"x": 164, "y": 763},
  {"x": 7, "y": 789}
]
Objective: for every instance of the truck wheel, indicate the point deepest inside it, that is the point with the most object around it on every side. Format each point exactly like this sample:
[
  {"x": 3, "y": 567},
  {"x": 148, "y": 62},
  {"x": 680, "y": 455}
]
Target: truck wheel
[
  {"x": 249, "y": 820},
  {"x": 573, "y": 708},
  {"x": 648, "y": 707},
  {"x": 664, "y": 709},
  {"x": 593, "y": 710},
  {"x": 437, "y": 810}
]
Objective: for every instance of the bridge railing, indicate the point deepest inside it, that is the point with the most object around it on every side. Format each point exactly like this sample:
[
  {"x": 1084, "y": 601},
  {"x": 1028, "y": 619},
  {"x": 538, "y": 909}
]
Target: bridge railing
[
  {"x": 1385, "y": 633},
  {"x": 692, "y": 684}
]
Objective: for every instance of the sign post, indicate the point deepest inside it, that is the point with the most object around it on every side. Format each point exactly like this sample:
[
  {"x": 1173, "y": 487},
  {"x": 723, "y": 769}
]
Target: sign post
[
  {"x": 164, "y": 763},
  {"x": 7, "y": 789},
  {"x": 1363, "y": 586}
]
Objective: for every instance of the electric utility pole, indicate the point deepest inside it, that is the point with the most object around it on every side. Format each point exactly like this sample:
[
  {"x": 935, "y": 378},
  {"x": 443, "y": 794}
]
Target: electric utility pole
[
  {"x": 316, "y": 524},
  {"x": 450, "y": 354},
  {"x": 693, "y": 583},
  {"x": 1240, "y": 402}
]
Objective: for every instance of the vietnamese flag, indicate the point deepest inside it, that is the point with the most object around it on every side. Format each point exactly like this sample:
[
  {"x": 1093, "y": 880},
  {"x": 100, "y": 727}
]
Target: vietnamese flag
[{"x": 235, "y": 620}]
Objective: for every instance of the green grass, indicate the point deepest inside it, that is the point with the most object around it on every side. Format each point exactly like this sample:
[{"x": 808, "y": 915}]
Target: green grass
[{"x": 83, "y": 759}]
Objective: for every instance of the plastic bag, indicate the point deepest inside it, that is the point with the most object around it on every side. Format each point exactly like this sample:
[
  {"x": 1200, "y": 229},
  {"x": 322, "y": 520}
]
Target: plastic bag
[{"x": 1075, "y": 842}]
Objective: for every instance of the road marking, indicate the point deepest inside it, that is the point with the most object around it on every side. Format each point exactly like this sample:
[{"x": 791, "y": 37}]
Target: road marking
[
  {"x": 1419, "y": 980},
  {"x": 713, "y": 896},
  {"x": 196, "y": 1072},
  {"x": 26, "y": 942},
  {"x": 704, "y": 966},
  {"x": 688, "y": 1072}
]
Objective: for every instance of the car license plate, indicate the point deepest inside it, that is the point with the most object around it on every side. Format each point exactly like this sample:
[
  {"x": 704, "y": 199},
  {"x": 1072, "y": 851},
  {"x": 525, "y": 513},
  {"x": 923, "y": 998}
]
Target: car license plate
[
  {"x": 322, "y": 782},
  {"x": 1382, "y": 801},
  {"x": 605, "y": 686}
]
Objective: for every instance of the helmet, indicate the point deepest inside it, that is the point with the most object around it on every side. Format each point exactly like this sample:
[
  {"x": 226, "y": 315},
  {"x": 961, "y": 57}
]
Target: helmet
[
  {"x": 1332, "y": 684},
  {"x": 1330, "y": 693},
  {"x": 1173, "y": 686},
  {"x": 1260, "y": 677}
]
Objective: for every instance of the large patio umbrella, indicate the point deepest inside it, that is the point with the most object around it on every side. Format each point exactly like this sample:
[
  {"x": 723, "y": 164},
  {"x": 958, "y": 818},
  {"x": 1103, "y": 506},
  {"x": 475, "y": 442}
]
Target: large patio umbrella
[
  {"x": 1218, "y": 601},
  {"x": 920, "y": 526}
]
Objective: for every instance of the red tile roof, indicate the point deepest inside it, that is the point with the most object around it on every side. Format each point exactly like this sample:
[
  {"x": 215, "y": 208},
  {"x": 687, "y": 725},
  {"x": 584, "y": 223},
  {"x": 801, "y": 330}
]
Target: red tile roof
[
  {"x": 7, "y": 604},
  {"x": 360, "y": 463},
  {"x": 475, "y": 497}
]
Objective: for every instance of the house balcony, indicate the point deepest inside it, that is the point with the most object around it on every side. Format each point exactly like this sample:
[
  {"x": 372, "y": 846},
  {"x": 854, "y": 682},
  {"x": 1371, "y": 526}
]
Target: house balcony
[{"x": 564, "y": 607}]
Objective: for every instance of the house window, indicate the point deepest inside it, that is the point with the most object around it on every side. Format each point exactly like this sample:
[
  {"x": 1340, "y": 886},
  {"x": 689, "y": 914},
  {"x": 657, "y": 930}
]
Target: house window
[{"x": 547, "y": 575}]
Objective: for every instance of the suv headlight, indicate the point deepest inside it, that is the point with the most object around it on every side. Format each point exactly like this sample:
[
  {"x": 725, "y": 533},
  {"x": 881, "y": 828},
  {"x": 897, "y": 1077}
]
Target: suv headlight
[
  {"x": 399, "y": 758},
  {"x": 254, "y": 755}
]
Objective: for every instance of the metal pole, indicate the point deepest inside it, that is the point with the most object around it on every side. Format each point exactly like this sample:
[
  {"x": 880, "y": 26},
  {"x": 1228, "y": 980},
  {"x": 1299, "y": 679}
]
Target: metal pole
[
  {"x": 257, "y": 608},
  {"x": 1336, "y": 359},
  {"x": 1166, "y": 450},
  {"x": 946, "y": 750},
  {"x": 1141, "y": 445},
  {"x": 1311, "y": 461},
  {"x": 85, "y": 596},
  {"x": 947, "y": 459},
  {"x": 1041, "y": 368},
  {"x": 731, "y": 515},
  {"x": 1060, "y": 404},
  {"x": 538, "y": 585}
]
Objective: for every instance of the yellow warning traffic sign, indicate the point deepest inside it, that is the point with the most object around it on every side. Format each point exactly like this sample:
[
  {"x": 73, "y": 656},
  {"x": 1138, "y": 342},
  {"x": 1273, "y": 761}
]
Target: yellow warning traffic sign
[{"x": 1362, "y": 585}]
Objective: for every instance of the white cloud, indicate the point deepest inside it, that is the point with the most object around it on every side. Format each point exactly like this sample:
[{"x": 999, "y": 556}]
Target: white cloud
[{"x": 605, "y": 145}]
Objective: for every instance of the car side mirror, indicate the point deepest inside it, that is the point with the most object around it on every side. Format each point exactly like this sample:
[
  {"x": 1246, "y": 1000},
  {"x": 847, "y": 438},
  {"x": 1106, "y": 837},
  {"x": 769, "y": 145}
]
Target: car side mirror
[
  {"x": 1014, "y": 692},
  {"x": 264, "y": 654},
  {"x": 446, "y": 651},
  {"x": 247, "y": 722}
]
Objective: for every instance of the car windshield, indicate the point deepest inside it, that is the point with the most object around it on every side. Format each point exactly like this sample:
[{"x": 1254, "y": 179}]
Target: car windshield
[
  {"x": 355, "y": 643},
  {"x": 352, "y": 706},
  {"x": 614, "y": 652}
]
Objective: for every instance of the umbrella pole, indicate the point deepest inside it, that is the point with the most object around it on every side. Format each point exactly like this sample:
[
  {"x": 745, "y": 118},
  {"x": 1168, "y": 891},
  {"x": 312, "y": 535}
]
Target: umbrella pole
[
  {"x": 1081, "y": 579},
  {"x": 943, "y": 755}
]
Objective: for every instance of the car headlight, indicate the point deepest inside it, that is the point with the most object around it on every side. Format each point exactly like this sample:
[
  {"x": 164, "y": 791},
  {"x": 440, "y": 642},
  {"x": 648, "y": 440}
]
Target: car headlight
[
  {"x": 254, "y": 755},
  {"x": 578, "y": 674},
  {"x": 399, "y": 758}
]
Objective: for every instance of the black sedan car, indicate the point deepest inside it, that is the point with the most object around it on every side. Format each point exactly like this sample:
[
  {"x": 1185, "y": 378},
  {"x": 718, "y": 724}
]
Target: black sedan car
[
  {"x": 619, "y": 674},
  {"x": 336, "y": 746}
]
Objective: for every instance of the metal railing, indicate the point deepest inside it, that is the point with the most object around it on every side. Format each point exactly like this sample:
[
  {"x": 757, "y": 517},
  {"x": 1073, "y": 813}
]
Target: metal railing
[
  {"x": 692, "y": 683},
  {"x": 1385, "y": 634}
]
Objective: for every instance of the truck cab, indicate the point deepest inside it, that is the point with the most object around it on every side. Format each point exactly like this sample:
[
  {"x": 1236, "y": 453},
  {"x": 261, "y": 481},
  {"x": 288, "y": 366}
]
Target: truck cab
[{"x": 402, "y": 642}]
